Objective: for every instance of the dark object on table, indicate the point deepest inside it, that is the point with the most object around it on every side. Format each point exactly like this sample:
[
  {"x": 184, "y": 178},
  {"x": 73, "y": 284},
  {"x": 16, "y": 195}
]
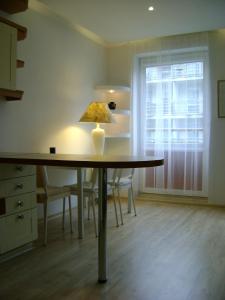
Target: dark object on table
[
  {"x": 112, "y": 105},
  {"x": 52, "y": 150}
]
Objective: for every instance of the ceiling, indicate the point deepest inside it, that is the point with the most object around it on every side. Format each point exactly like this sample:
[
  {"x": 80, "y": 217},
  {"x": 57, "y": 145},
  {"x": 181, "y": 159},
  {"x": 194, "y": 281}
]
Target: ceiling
[{"x": 116, "y": 21}]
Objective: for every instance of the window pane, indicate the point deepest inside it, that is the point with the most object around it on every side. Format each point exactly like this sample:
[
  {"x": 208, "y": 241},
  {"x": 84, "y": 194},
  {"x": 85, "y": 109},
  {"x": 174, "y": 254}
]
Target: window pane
[{"x": 174, "y": 104}]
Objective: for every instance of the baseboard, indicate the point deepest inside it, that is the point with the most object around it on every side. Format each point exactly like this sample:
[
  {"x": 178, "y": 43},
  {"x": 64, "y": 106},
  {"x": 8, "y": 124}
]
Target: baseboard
[
  {"x": 175, "y": 199},
  {"x": 15, "y": 252}
]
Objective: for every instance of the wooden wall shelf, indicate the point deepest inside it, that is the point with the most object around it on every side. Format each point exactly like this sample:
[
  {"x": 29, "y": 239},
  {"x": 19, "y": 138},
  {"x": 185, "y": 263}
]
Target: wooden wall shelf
[
  {"x": 19, "y": 63},
  {"x": 13, "y": 6},
  {"x": 21, "y": 30},
  {"x": 11, "y": 95},
  {"x": 107, "y": 88}
]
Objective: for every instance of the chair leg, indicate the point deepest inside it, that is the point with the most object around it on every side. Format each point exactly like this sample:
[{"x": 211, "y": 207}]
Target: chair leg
[
  {"x": 129, "y": 201},
  {"x": 89, "y": 209},
  {"x": 114, "y": 202},
  {"x": 133, "y": 201},
  {"x": 70, "y": 212},
  {"x": 63, "y": 215},
  {"x": 121, "y": 215},
  {"x": 93, "y": 210},
  {"x": 85, "y": 202},
  {"x": 45, "y": 222}
]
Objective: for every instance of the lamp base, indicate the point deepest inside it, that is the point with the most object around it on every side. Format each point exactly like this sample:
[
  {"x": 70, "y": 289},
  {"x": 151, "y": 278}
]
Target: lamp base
[{"x": 98, "y": 137}]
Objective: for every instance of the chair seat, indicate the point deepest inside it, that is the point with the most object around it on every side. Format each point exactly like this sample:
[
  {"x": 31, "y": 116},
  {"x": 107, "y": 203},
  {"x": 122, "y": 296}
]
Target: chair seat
[
  {"x": 87, "y": 187},
  {"x": 124, "y": 181},
  {"x": 53, "y": 192}
]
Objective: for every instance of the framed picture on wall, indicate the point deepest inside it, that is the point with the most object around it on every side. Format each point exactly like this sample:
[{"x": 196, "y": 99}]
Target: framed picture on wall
[{"x": 221, "y": 98}]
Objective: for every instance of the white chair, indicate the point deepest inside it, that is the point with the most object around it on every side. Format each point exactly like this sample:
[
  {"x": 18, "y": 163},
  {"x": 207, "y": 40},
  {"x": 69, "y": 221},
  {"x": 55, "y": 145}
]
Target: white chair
[
  {"x": 90, "y": 190},
  {"x": 120, "y": 181},
  {"x": 47, "y": 193},
  {"x": 112, "y": 187}
]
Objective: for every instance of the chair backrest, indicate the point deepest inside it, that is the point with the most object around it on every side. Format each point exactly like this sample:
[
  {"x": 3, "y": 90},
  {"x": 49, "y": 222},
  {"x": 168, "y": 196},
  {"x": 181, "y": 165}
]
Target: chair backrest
[
  {"x": 115, "y": 176},
  {"x": 42, "y": 177},
  {"x": 132, "y": 173},
  {"x": 119, "y": 174},
  {"x": 87, "y": 173},
  {"x": 125, "y": 173},
  {"x": 94, "y": 177}
]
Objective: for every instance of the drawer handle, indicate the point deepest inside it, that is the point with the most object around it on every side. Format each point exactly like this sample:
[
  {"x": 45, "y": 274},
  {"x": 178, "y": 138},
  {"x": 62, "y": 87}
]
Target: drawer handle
[
  {"x": 20, "y": 217},
  {"x": 19, "y": 186},
  {"x": 19, "y": 168},
  {"x": 20, "y": 203}
]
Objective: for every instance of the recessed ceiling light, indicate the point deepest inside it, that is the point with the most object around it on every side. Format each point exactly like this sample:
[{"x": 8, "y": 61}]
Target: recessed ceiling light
[{"x": 151, "y": 8}]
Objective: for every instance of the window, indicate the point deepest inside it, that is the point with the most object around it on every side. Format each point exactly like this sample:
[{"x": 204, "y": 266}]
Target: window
[{"x": 173, "y": 108}]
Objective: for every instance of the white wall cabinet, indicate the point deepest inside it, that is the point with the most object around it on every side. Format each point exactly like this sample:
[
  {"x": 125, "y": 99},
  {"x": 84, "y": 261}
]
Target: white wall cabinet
[
  {"x": 8, "y": 39},
  {"x": 18, "y": 213},
  {"x": 10, "y": 33}
]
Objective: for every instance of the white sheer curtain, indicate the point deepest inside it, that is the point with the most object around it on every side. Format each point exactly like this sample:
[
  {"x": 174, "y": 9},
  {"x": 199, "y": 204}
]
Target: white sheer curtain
[{"x": 171, "y": 116}]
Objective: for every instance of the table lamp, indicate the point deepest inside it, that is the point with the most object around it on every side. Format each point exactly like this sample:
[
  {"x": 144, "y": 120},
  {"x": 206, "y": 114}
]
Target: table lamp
[{"x": 97, "y": 112}]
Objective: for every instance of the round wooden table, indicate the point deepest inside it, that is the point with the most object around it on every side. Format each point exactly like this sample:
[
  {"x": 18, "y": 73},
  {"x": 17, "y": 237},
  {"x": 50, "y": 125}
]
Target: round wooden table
[{"x": 102, "y": 162}]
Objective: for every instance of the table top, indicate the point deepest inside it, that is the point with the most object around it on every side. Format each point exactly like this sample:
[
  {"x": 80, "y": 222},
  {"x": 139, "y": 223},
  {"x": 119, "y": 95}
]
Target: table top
[{"x": 79, "y": 160}]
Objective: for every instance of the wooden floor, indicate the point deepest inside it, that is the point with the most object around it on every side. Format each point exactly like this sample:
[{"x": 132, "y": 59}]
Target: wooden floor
[{"x": 168, "y": 251}]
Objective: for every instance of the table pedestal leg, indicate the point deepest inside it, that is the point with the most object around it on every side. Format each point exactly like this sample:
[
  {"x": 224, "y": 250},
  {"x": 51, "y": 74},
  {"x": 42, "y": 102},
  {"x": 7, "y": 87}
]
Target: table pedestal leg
[
  {"x": 80, "y": 204},
  {"x": 102, "y": 222}
]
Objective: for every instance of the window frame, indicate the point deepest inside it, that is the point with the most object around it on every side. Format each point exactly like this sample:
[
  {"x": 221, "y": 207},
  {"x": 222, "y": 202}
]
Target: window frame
[{"x": 179, "y": 56}]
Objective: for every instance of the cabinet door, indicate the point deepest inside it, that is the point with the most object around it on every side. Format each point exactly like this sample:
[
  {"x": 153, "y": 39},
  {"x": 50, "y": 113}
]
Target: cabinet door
[
  {"x": 17, "y": 230},
  {"x": 8, "y": 38}
]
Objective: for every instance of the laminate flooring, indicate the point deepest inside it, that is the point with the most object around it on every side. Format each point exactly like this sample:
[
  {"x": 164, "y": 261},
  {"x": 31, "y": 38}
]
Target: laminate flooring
[{"x": 167, "y": 252}]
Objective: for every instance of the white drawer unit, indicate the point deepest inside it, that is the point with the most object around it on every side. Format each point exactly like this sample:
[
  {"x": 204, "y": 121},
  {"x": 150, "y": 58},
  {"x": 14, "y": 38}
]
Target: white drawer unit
[{"x": 18, "y": 212}]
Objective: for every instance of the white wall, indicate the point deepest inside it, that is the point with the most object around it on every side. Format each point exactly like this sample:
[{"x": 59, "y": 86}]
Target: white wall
[
  {"x": 217, "y": 153},
  {"x": 119, "y": 65},
  {"x": 61, "y": 69},
  {"x": 119, "y": 68}
]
